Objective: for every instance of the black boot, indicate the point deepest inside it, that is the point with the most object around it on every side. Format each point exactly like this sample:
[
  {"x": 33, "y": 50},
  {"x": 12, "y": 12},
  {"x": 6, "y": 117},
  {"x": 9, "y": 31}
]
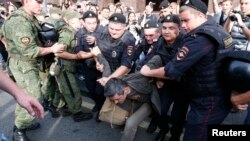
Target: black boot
[
  {"x": 81, "y": 116},
  {"x": 152, "y": 126},
  {"x": 33, "y": 126},
  {"x": 19, "y": 135},
  {"x": 161, "y": 135},
  {"x": 54, "y": 111},
  {"x": 97, "y": 116},
  {"x": 64, "y": 111}
]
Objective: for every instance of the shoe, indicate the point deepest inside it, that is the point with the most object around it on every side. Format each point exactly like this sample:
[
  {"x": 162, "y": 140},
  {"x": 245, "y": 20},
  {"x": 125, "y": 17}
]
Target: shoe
[
  {"x": 33, "y": 126},
  {"x": 64, "y": 111},
  {"x": 152, "y": 127},
  {"x": 19, "y": 135},
  {"x": 54, "y": 111},
  {"x": 161, "y": 135},
  {"x": 97, "y": 116},
  {"x": 81, "y": 116},
  {"x": 96, "y": 108},
  {"x": 45, "y": 105}
]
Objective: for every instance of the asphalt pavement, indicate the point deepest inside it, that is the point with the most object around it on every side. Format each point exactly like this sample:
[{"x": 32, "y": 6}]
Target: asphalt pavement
[{"x": 64, "y": 128}]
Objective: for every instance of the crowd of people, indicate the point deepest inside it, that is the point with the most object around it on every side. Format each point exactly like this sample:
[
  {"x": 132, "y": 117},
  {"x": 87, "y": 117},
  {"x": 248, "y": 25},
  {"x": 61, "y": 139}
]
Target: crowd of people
[{"x": 145, "y": 63}]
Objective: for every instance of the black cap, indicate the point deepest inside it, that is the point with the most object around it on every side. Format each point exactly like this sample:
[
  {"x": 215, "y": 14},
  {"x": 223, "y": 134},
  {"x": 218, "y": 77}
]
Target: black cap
[
  {"x": 89, "y": 14},
  {"x": 118, "y": 17},
  {"x": 172, "y": 18},
  {"x": 151, "y": 24},
  {"x": 197, "y": 5},
  {"x": 164, "y": 4}
]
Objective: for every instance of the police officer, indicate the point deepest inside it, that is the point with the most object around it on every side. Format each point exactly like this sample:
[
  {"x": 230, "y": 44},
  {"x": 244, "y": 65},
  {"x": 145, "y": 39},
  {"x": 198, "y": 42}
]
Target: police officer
[
  {"x": 148, "y": 44},
  {"x": 198, "y": 62},
  {"x": 117, "y": 46},
  {"x": 87, "y": 68},
  {"x": 171, "y": 91},
  {"x": 24, "y": 49},
  {"x": 66, "y": 80},
  {"x": 164, "y": 10}
]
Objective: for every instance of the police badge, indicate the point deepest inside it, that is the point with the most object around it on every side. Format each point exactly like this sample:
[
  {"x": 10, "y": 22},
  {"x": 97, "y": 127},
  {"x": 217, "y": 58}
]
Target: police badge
[{"x": 114, "y": 54}]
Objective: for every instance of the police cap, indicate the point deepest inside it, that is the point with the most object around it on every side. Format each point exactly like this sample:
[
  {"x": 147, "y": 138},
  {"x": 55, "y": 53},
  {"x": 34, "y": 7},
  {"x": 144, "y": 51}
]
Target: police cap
[
  {"x": 118, "y": 17},
  {"x": 151, "y": 24},
  {"x": 55, "y": 10},
  {"x": 164, "y": 4},
  {"x": 197, "y": 5},
  {"x": 89, "y": 14},
  {"x": 172, "y": 18}
]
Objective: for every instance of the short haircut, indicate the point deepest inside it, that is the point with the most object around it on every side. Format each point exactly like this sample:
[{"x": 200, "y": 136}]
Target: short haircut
[
  {"x": 192, "y": 10},
  {"x": 114, "y": 86}
]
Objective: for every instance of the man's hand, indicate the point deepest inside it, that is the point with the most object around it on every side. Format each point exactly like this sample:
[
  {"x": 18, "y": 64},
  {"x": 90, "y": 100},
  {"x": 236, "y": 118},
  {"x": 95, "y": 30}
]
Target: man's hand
[
  {"x": 235, "y": 99},
  {"x": 83, "y": 55},
  {"x": 95, "y": 51},
  {"x": 57, "y": 48},
  {"x": 31, "y": 105},
  {"x": 103, "y": 80},
  {"x": 90, "y": 39},
  {"x": 99, "y": 67},
  {"x": 145, "y": 70}
]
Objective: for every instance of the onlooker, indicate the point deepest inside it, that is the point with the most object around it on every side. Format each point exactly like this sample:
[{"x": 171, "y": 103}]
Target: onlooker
[
  {"x": 238, "y": 25},
  {"x": 222, "y": 15}
]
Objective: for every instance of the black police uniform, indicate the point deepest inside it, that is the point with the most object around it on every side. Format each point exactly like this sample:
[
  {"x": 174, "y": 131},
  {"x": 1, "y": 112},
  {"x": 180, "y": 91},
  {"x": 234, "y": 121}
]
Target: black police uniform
[
  {"x": 86, "y": 71},
  {"x": 144, "y": 52},
  {"x": 172, "y": 91},
  {"x": 117, "y": 52},
  {"x": 198, "y": 62}
]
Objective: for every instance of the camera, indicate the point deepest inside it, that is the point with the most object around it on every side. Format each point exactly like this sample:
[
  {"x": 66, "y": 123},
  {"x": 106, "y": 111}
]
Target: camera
[
  {"x": 3, "y": 12},
  {"x": 78, "y": 6},
  {"x": 233, "y": 17},
  {"x": 134, "y": 22}
]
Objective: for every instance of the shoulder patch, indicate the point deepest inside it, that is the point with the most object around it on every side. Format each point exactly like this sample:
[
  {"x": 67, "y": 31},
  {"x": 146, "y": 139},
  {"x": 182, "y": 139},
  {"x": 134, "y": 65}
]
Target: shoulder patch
[
  {"x": 228, "y": 41},
  {"x": 130, "y": 50},
  {"x": 182, "y": 53},
  {"x": 25, "y": 41}
]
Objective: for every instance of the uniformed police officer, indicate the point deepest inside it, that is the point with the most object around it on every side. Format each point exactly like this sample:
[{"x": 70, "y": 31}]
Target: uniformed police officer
[
  {"x": 24, "y": 49},
  {"x": 164, "y": 10},
  {"x": 87, "y": 68},
  {"x": 66, "y": 80},
  {"x": 171, "y": 91},
  {"x": 117, "y": 46},
  {"x": 198, "y": 62},
  {"x": 148, "y": 44}
]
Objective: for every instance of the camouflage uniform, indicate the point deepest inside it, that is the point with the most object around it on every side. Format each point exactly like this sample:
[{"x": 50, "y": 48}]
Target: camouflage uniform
[
  {"x": 50, "y": 89},
  {"x": 23, "y": 48},
  {"x": 67, "y": 37}
]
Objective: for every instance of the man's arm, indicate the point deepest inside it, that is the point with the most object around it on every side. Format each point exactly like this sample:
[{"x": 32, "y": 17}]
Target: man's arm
[
  {"x": 215, "y": 6},
  {"x": 157, "y": 73},
  {"x": 24, "y": 100},
  {"x": 56, "y": 48},
  {"x": 239, "y": 99}
]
